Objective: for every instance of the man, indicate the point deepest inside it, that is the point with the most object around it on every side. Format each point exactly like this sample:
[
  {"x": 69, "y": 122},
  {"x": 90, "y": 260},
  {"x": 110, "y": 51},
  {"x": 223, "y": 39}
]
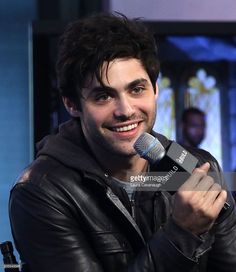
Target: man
[
  {"x": 193, "y": 127},
  {"x": 70, "y": 210}
]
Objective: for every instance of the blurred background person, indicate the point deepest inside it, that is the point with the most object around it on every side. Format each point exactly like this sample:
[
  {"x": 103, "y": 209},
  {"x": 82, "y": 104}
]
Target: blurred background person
[{"x": 193, "y": 127}]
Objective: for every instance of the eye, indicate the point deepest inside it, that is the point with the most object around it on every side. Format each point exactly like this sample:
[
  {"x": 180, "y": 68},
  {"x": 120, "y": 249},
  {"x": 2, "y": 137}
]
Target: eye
[
  {"x": 103, "y": 97},
  {"x": 138, "y": 89}
]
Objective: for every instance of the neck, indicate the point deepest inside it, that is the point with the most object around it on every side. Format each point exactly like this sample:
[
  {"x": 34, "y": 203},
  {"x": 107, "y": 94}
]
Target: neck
[
  {"x": 123, "y": 167},
  {"x": 188, "y": 144},
  {"x": 132, "y": 167}
]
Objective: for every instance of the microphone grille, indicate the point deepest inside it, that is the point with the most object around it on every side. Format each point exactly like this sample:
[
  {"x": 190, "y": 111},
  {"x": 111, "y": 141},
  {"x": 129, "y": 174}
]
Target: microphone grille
[{"x": 149, "y": 148}]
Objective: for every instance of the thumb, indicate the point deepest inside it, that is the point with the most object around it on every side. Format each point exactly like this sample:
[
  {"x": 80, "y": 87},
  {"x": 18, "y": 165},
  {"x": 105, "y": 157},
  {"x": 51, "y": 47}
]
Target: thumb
[{"x": 203, "y": 168}]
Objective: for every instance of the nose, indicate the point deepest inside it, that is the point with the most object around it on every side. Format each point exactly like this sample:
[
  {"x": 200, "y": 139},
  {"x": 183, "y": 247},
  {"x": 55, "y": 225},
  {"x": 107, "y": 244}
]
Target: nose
[{"x": 124, "y": 109}]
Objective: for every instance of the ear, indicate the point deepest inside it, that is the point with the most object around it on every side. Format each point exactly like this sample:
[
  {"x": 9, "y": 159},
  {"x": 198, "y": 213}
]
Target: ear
[{"x": 70, "y": 107}]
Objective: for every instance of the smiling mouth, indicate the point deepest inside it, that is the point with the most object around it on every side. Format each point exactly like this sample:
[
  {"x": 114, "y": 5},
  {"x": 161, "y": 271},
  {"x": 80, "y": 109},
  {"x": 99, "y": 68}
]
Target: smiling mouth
[{"x": 125, "y": 128}]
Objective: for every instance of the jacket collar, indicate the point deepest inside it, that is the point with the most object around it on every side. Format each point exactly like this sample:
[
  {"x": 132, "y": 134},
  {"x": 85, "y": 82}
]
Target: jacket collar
[{"x": 70, "y": 148}]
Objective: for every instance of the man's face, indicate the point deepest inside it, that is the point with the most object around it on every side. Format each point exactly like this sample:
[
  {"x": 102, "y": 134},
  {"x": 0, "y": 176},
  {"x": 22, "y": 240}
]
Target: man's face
[
  {"x": 114, "y": 116},
  {"x": 194, "y": 129}
]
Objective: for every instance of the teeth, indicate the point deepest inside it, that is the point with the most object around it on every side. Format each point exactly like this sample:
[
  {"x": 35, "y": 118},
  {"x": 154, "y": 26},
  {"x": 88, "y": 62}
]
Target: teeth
[{"x": 126, "y": 128}]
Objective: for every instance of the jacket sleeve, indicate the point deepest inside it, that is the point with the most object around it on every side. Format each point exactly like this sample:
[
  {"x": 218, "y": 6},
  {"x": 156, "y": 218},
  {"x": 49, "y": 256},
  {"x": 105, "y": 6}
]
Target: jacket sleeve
[
  {"x": 215, "y": 250},
  {"x": 222, "y": 256},
  {"x": 47, "y": 238}
]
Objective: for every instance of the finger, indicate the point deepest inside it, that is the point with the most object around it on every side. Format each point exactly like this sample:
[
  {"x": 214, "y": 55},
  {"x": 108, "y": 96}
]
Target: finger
[
  {"x": 212, "y": 194},
  {"x": 203, "y": 168},
  {"x": 219, "y": 201},
  {"x": 193, "y": 180},
  {"x": 204, "y": 185}
]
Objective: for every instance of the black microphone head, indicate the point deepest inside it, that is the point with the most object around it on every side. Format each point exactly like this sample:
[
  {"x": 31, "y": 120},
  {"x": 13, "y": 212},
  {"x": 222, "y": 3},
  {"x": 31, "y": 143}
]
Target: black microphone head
[{"x": 149, "y": 148}]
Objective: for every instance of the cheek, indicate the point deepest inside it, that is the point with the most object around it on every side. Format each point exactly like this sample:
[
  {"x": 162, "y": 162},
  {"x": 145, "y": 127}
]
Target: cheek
[
  {"x": 92, "y": 117},
  {"x": 148, "y": 106}
]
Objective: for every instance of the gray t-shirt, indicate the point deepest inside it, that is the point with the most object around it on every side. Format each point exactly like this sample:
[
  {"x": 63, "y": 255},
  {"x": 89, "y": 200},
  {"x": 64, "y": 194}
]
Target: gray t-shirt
[{"x": 126, "y": 185}]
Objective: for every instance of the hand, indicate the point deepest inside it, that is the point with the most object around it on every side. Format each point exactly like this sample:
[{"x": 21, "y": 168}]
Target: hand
[{"x": 198, "y": 202}]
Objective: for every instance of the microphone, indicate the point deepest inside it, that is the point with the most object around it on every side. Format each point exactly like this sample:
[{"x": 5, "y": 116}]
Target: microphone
[{"x": 175, "y": 165}]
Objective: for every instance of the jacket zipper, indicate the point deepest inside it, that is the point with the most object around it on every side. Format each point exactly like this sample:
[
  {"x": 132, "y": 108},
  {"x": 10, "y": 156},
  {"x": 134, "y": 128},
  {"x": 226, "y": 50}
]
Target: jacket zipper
[
  {"x": 133, "y": 209},
  {"x": 115, "y": 200},
  {"x": 132, "y": 204}
]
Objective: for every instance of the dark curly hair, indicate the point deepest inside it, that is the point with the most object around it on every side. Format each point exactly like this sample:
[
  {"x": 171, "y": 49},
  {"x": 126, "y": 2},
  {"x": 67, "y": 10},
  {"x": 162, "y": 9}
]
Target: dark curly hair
[{"x": 88, "y": 42}]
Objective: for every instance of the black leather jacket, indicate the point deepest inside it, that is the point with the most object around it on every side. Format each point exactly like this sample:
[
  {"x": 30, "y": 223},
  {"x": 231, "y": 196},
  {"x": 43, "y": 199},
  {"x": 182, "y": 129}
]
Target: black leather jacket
[{"x": 67, "y": 215}]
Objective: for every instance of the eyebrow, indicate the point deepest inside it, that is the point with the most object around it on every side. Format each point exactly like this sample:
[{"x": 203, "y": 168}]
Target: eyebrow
[
  {"x": 136, "y": 82},
  {"x": 130, "y": 85}
]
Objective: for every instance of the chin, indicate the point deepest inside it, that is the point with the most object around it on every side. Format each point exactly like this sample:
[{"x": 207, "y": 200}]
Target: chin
[{"x": 125, "y": 152}]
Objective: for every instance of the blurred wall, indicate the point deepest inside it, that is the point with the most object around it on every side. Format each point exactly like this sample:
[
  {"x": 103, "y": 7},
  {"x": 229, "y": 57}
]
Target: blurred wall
[
  {"x": 15, "y": 136},
  {"x": 15, "y": 142},
  {"x": 217, "y": 10}
]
